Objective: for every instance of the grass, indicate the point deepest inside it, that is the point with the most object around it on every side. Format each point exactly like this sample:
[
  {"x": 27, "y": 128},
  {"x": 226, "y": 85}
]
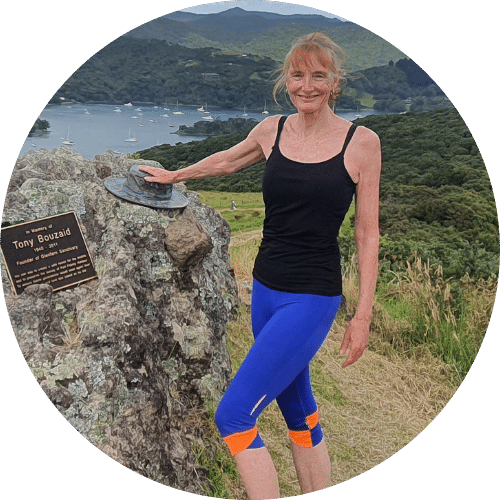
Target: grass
[
  {"x": 221, "y": 467},
  {"x": 249, "y": 213},
  {"x": 450, "y": 324},
  {"x": 368, "y": 412},
  {"x": 366, "y": 100},
  {"x": 222, "y": 200},
  {"x": 425, "y": 334},
  {"x": 241, "y": 221}
]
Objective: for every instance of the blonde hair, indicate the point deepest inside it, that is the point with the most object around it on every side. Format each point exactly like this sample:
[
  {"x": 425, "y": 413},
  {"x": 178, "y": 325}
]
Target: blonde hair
[{"x": 331, "y": 55}]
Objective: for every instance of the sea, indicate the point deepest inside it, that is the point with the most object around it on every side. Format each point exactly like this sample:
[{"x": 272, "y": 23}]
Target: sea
[{"x": 93, "y": 129}]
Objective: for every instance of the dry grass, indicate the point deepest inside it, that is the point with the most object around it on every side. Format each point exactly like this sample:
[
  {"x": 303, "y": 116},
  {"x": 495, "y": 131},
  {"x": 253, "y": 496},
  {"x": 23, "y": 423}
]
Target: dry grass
[
  {"x": 372, "y": 409},
  {"x": 243, "y": 250},
  {"x": 368, "y": 411},
  {"x": 422, "y": 312},
  {"x": 71, "y": 336}
]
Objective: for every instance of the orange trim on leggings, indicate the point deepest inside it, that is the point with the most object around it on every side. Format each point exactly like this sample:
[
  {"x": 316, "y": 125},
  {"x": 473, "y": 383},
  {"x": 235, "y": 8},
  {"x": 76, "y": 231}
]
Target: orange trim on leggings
[
  {"x": 312, "y": 420},
  {"x": 302, "y": 438},
  {"x": 240, "y": 441}
]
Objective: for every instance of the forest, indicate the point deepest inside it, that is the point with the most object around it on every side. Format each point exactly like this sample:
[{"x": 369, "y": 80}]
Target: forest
[
  {"x": 155, "y": 71},
  {"x": 218, "y": 127},
  {"x": 398, "y": 87},
  {"x": 39, "y": 127},
  {"x": 436, "y": 197}
]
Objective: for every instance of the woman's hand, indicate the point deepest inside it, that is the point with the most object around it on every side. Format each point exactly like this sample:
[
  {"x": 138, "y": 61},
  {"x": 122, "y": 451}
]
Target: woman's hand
[
  {"x": 158, "y": 175},
  {"x": 355, "y": 340}
]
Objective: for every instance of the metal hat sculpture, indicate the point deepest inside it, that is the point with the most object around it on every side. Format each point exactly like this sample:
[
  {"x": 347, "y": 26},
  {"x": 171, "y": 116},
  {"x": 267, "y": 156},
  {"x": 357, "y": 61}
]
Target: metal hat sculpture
[{"x": 136, "y": 189}]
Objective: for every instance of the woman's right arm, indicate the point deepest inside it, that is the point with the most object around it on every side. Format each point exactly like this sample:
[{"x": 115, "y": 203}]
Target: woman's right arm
[{"x": 246, "y": 153}]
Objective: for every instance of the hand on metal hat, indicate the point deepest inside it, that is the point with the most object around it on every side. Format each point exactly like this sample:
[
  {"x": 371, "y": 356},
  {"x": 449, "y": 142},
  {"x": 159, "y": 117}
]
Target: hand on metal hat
[{"x": 158, "y": 175}]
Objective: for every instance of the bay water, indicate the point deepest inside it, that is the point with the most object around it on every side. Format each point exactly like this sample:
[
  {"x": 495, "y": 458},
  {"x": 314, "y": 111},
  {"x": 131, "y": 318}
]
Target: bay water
[{"x": 96, "y": 128}]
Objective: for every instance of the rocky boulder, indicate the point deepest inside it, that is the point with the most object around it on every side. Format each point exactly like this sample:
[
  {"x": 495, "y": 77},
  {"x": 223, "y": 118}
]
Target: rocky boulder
[{"x": 134, "y": 357}]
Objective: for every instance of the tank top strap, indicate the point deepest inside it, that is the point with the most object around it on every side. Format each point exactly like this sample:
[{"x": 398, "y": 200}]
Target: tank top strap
[
  {"x": 281, "y": 123},
  {"x": 348, "y": 138}
]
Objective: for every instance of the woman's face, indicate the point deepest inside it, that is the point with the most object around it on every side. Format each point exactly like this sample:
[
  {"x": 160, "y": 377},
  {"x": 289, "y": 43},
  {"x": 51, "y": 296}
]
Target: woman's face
[{"x": 309, "y": 84}]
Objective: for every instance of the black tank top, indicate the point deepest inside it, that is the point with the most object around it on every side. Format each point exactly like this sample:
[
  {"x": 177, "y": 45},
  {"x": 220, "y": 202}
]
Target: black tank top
[{"x": 305, "y": 205}]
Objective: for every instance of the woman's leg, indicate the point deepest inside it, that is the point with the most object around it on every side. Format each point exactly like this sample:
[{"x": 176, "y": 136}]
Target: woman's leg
[
  {"x": 284, "y": 346},
  {"x": 259, "y": 476},
  {"x": 313, "y": 467},
  {"x": 310, "y": 455}
]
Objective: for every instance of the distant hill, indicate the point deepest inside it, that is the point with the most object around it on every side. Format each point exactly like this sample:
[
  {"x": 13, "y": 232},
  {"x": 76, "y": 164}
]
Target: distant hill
[
  {"x": 155, "y": 71},
  {"x": 266, "y": 34}
]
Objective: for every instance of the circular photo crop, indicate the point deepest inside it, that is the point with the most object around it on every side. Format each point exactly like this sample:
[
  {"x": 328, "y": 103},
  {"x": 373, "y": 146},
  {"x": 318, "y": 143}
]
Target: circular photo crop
[{"x": 250, "y": 250}]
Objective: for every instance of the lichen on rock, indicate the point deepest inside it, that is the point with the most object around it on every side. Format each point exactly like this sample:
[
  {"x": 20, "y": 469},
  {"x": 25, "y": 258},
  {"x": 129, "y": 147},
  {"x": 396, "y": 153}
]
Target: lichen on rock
[{"x": 126, "y": 357}]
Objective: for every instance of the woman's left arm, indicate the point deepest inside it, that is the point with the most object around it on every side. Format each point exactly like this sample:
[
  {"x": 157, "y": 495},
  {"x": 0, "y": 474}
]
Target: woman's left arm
[{"x": 367, "y": 157}]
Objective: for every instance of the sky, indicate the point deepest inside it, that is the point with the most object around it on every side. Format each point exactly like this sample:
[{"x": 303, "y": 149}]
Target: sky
[{"x": 257, "y": 5}]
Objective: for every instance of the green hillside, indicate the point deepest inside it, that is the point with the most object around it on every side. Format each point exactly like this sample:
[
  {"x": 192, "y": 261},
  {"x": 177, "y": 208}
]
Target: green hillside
[
  {"x": 364, "y": 49},
  {"x": 155, "y": 71},
  {"x": 436, "y": 197},
  {"x": 271, "y": 35}
]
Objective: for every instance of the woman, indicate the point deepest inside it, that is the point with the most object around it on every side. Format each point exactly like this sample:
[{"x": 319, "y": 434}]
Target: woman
[{"x": 316, "y": 162}]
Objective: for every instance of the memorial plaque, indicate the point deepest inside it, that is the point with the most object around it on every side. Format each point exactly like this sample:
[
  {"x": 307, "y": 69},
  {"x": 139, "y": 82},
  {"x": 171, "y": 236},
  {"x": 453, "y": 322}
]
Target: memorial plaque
[{"x": 51, "y": 251}]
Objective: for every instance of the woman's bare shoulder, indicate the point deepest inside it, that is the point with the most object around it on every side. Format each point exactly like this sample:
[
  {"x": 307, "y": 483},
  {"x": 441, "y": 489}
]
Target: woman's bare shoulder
[
  {"x": 365, "y": 138},
  {"x": 363, "y": 156},
  {"x": 264, "y": 134},
  {"x": 266, "y": 126}
]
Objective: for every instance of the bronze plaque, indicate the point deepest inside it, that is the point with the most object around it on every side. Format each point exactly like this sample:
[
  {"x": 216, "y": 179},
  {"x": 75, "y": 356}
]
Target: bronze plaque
[{"x": 51, "y": 251}]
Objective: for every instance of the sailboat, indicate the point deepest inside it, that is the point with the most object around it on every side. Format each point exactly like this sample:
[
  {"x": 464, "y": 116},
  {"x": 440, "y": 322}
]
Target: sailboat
[
  {"x": 244, "y": 111},
  {"x": 177, "y": 112},
  {"x": 67, "y": 142},
  {"x": 130, "y": 138},
  {"x": 265, "y": 112},
  {"x": 201, "y": 108}
]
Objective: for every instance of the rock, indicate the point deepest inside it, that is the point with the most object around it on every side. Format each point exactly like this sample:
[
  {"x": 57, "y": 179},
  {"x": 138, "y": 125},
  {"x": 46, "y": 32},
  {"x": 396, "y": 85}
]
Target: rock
[
  {"x": 133, "y": 358},
  {"x": 187, "y": 243}
]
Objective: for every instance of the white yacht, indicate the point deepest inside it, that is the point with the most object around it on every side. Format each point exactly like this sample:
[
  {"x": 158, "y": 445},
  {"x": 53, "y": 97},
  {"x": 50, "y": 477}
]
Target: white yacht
[
  {"x": 130, "y": 138},
  {"x": 177, "y": 112},
  {"x": 67, "y": 142}
]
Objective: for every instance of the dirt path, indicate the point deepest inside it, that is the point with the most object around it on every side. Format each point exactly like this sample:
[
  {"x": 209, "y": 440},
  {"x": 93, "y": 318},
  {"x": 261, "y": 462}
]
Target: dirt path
[
  {"x": 242, "y": 238},
  {"x": 368, "y": 412},
  {"x": 260, "y": 209}
]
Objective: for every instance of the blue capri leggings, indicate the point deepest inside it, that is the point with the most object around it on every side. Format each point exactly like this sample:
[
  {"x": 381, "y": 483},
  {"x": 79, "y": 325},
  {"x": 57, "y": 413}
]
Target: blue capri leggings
[{"x": 289, "y": 329}]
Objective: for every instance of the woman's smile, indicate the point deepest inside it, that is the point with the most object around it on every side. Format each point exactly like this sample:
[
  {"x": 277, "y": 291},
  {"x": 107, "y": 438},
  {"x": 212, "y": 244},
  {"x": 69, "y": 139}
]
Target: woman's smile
[{"x": 308, "y": 84}]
